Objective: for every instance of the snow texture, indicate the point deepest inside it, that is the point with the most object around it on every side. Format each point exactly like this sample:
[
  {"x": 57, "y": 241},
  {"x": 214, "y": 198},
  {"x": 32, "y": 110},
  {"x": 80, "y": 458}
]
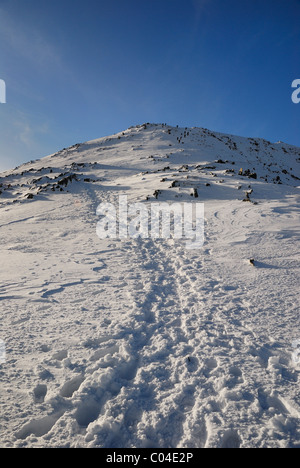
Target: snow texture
[{"x": 122, "y": 343}]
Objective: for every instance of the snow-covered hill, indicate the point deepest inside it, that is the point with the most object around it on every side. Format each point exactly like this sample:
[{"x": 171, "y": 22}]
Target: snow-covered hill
[{"x": 142, "y": 342}]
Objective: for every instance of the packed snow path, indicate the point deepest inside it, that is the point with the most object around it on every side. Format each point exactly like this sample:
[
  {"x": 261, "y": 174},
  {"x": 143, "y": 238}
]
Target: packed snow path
[{"x": 143, "y": 343}]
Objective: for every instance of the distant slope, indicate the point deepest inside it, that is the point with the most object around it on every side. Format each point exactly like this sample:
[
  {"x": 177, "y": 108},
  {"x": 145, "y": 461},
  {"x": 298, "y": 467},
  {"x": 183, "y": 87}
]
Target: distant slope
[{"x": 203, "y": 153}]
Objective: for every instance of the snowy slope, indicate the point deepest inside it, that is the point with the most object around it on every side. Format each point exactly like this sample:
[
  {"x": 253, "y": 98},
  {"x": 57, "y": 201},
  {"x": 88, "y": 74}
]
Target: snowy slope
[{"x": 141, "y": 342}]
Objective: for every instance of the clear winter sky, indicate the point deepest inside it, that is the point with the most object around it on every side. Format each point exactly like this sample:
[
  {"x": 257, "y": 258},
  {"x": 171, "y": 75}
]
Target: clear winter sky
[{"x": 79, "y": 70}]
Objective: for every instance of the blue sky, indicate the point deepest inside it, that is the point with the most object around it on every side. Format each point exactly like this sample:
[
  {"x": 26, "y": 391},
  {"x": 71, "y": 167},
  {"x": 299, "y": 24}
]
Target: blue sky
[{"x": 76, "y": 71}]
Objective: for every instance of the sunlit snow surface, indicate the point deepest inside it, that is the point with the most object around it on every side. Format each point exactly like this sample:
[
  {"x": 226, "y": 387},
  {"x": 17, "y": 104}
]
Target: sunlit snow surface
[{"x": 142, "y": 342}]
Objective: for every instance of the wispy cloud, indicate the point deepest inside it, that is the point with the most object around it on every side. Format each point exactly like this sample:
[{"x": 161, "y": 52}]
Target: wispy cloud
[
  {"x": 42, "y": 57},
  {"x": 27, "y": 132},
  {"x": 27, "y": 43},
  {"x": 23, "y": 136}
]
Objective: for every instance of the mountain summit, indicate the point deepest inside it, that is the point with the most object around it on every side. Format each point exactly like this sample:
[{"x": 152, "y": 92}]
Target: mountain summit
[{"x": 201, "y": 153}]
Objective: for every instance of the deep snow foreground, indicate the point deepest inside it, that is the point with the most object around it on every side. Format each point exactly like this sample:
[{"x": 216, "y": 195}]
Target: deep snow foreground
[{"x": 143, "y": 343}]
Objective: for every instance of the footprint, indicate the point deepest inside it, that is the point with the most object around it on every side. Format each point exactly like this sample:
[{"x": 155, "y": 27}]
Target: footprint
[
  {"x": 88, "y": 412},
  {"x": 235, "y": 371},
  {"x": 44, "y": 374},
  {"x": 138, "y": 286},
  {"x": 236, "y": 377},
  {"x": 209, "y": 365},
  {"x": 96, "y": 269},
  {"x": 133, "y": 415},
  {"x": 71, "y": 386},
  {"x": 128, "y": 370},
  {"x": 104, "y": 279},
  {"x": 38, "y": 427},
  {"x": 187, "y": 401},
  {"x": 271, "y": 401},
  {"x": 200, "y": 434},
  {"x": 39, "y": 393},
  {"x": 100, "y": 353},
  {"x": 192, "y": 364},
  {"x": 60, "y": 355},
  {"x": 45, "y": 348},
  {"x": 231, "y": 439}
]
